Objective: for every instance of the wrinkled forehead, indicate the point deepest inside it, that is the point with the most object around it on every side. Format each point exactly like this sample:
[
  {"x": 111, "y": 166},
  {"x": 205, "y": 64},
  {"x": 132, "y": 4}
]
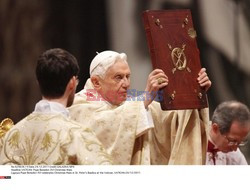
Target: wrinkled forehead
[{"x": 119, "y": 65}]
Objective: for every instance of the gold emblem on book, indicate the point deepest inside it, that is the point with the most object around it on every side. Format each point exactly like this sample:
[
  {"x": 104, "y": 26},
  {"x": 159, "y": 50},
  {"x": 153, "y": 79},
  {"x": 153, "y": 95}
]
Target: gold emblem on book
[
  {"x": 185, "y": 22},
  {"x": 192, "y": 33},
  {"x": 158, "y": 23},
  {"x": 200, "y": 95},
  {"x": 172, "y": 96},
  {"x": 179, "y": 58}
]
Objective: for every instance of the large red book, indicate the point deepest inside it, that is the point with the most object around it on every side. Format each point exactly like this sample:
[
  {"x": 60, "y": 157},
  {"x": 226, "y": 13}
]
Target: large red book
[{"x": 172, "y": 44}]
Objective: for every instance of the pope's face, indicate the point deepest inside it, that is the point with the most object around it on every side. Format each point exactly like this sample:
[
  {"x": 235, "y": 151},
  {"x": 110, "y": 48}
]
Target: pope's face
[{"x": 116, "y": 82}]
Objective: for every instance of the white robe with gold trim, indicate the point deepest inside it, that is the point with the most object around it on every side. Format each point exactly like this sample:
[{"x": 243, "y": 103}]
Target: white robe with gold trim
[
  {"x": 49, "y": 139},
  {"x": 174, "y": 137}
]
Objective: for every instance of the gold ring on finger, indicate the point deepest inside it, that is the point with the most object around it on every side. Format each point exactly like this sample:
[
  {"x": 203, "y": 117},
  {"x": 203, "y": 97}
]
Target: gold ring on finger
[{"x": 160, "y": 81}]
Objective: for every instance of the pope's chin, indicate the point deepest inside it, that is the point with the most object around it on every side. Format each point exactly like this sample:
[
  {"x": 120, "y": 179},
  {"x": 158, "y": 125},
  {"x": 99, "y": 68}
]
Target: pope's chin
[{"x": 122, "y": 97}]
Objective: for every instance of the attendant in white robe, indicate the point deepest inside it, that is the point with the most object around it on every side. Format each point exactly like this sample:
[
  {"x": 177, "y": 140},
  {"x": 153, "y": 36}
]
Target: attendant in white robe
[
  {"x": 135, "y": 130},
  {"x": 230, "y": 126},
  {"x": 48, "y": 136}
]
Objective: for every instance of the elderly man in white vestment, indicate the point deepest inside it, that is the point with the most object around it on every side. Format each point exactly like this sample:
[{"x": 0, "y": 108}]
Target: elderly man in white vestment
[
  {"x": 136, "y": 130},
  {"x": 229, "y": 129},
  {"x": 48, "y": 136}
]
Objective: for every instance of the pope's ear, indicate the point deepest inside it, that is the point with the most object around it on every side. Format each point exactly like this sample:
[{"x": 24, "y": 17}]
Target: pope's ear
[{"x": 96, "y": 82}]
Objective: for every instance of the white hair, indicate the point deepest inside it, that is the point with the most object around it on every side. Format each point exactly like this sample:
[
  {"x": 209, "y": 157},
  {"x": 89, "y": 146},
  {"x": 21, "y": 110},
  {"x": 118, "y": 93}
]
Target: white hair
[{"x": 104, "y": 60}]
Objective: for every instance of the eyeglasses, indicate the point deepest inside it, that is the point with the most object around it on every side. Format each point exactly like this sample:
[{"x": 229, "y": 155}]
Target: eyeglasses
[{"x": 232, "y": 142}]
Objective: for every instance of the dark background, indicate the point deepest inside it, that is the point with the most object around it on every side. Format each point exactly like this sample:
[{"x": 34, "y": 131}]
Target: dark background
[{"x": 29, "y": 27}]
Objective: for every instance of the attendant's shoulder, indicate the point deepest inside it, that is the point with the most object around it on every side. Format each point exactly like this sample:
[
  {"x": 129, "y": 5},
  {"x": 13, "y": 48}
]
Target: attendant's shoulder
[
  {"x": 21, "y": 122},
  {"x": 52, "y": 121},
  {"x": 236, "y": 157},
  {"x": 236, "y": 153}
]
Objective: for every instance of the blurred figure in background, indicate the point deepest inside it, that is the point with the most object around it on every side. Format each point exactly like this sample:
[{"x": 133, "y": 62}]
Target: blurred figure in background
[{"x": 229, "y": 129}]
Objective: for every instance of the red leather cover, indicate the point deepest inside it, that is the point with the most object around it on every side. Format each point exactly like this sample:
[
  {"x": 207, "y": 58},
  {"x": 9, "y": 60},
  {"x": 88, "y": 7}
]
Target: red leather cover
[{"x": 173, "y": 48}]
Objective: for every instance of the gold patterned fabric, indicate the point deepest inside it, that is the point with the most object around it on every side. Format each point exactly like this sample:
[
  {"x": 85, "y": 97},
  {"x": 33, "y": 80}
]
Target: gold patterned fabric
[
  {"x": 179, "y": 137},
  {"x": 51, "y": 139},
  {"x": 175, "y": 137},
  {"x": 115, "y": 127}
]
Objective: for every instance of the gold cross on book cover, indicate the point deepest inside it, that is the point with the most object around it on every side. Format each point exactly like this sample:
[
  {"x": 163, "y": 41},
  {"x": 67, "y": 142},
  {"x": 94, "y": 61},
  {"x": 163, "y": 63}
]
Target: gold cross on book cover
[{"x": 172, "y": 44}]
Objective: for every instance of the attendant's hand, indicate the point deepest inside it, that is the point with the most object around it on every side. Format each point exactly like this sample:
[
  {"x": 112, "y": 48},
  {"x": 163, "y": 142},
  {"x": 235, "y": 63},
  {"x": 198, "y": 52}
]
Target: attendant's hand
[
  {"x": 156, "y": 80},
  {"x": 203, "y": 79}
]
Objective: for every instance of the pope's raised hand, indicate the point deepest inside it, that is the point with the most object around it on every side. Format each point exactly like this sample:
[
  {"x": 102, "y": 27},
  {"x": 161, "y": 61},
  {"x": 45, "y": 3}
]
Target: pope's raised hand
[{"x": 157, "y": 79}]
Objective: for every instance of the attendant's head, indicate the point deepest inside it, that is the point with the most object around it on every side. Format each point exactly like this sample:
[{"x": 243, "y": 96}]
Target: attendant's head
[
  {"x": 110, "y": 76},
  {"x": 230, "y": 125},
  {"x": 56, "y": 74}
]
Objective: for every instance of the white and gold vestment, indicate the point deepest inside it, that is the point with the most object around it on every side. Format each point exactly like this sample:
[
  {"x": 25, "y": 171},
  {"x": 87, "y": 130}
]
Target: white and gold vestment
[
  {"x": 132, "y": 137},
  {"x": 47, "y": 136}
]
